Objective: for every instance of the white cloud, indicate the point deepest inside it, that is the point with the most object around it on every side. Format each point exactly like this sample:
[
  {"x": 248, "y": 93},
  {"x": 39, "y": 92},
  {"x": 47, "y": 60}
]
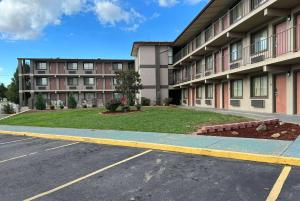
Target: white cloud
[
  {"x": 194, "y": 2},
  {"x": 26, "y": 19},
  {"x": 167, "y": 3},
  {"x": 109, "y": 12}
]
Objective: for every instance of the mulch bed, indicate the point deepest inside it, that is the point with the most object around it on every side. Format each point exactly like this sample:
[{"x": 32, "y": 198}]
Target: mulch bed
[
  {"x": 119, "y": 112},
  {"x": 287, "y": 131}
]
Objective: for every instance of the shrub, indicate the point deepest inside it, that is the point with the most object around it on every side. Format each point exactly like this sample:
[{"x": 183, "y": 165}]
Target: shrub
[
  {"x": 138, "y": 106},
  {"x": 61, "y": 106},
  {"x": 125, "y": 108},
  {"x": 8, "y": 109},
  {"x": 40, "y": 103},
  {"x": 52, "y": 107},
  {"x": 72, "y": 103},
  {"x": 145, "y": 101},
  {"x": 167, "y": 101},
  {"x": 112, "y": 105},
  {"x": 84, "y": 106}
]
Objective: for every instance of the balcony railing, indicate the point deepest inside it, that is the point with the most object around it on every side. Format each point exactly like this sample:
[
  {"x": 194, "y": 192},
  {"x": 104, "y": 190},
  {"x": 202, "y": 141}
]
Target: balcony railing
[
  {"x": 231, "y": 17},
  {"x": 277, "y": 45}
]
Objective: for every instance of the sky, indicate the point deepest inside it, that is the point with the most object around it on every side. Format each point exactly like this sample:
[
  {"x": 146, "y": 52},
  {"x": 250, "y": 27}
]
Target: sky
[{"x": 86, "y": 28}]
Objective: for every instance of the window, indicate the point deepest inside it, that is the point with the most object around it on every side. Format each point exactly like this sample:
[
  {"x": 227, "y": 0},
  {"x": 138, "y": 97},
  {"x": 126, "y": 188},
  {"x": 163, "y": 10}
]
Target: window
[
  {"x": 72, "y": 81},
  {"x": 42, "y": 66},
  {"x": 170, "y": 55},
  {"x": 208, "y": 63},
  {"x": 237, "y": 89},
  {"x": 259, "y": 86},
  {"x": 72, "y": 66},
  {"x": 199, "y": 92},
  {"x": 237, "y": 12},
  {"x": 208, "y": 33},
  {"x": 88, "y": 66},
  {"x": 89, "y": 81},
  {"x": 209, "y": 90},
  {"x": 236, "y": 51},
  {"x": 185, "y": 93},
  {"x": 198, "y": 67},
  {"x": 256, "y": 3},
  {"x": 41, "y": 81},
  {"x": 259, "y": 41},
  {"x": 118, "y": 66}
]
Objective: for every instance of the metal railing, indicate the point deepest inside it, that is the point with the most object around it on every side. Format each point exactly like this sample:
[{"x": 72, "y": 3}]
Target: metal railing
[{"x": 231, "y": 17}]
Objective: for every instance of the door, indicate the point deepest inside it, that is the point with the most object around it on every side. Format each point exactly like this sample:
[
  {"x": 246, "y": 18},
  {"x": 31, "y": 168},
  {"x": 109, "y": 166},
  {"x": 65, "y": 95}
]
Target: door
[
  {"x": 225, "y": 96},
  {"x": 99, "y": 68},
  {"x": 298, "y": 92},
  {"x": 52, "y": 68},
  {"x": 52, "y": 84},
  {"x": 62, "y": 85},
  {"x": 281, "y": 39},
  {"x": 280, "y": 93},
  {"x": 218, "y": 96},
  {"x": 99, "y": 83},
  {"x": 61, "y": 68},
  {"x": 191, "y": 97},
  {"x": 225, "y": 61},
  {"x": 107, "y": 83},
  {"x": 298, "y": 32},
  {"x": 218, "y": 62}
]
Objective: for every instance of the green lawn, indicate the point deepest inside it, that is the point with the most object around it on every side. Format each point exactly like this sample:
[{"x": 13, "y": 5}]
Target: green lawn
[{"x": 152, "y": 119}]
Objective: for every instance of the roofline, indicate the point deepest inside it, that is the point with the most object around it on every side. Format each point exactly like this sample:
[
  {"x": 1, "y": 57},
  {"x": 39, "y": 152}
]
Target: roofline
[
  {"x": 191, "y": 23},
  {"x": 150, "y": 43},
  {"x": 75, "y": 59}
]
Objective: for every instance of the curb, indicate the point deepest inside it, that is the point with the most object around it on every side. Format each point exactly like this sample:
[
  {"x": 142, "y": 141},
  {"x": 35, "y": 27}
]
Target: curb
[
  {"x": 280, "y": 160},
  {"x": 12, "y": 115}
]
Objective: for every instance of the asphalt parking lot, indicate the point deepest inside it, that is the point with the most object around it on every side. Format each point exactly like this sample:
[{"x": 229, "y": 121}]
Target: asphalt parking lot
[{"x": 40, "y": 169}]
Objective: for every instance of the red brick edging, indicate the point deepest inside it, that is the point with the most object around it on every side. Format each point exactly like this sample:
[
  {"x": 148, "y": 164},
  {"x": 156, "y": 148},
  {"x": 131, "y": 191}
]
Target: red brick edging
[{"x": 234, "y": 126}]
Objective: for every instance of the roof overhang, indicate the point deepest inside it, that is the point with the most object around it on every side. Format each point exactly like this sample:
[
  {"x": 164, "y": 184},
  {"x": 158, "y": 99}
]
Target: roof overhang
[
  {"x": 206, "y": 16},
  {"x": 138, "y": 44}
]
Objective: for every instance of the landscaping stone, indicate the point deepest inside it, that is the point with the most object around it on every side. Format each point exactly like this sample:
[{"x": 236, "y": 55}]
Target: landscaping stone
[
  {"x": 262, "y": 127},
  {"x": 284, "y": 132},
  {"x": 234, "y": 133},
  {"x": 281, "y": 123},
  {"x": 276, "y": 135}
]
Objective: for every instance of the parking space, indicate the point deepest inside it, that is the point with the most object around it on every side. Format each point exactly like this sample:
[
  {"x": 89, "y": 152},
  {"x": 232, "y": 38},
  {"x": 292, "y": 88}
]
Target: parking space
[{"x": 39, "y": 169}]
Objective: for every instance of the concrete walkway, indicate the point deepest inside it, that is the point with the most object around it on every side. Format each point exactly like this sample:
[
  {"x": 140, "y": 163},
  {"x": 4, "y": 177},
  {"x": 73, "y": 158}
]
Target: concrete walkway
[
  {"x": 253, "y": 115},
  {"x": 255, "y": 146}
]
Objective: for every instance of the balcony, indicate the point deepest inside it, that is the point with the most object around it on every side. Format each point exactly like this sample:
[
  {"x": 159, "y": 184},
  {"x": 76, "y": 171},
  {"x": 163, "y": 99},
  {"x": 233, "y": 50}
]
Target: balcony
[
  {"x": 273, "y": 49},
  {"x": 226, "y": 22}
]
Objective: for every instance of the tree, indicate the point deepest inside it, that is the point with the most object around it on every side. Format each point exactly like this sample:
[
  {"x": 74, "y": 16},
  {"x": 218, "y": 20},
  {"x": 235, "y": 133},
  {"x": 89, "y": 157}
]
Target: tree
[
  {"x": 3, "y": 91},
  {"x": 72, "y": 104},
  {"x": 40, "y": 103},
  {"x": 128, "y": 84},
  {"x": 12, "y": 93}
]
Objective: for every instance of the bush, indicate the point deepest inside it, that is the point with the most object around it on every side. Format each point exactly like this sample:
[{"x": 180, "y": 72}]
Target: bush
[
  {"x": 112, "y": 105},
  {"x": 52, "y": 107},
  {"x": 167, "y": 101},
  {"x": 138, "y": 106},
  {"x": 61, "y": 106},
  {"x": 125, "y": 108},
  {"x": 40, "y": 103},
  {"x": 72, "y": 103},
  {"x": 84, "y": 106},
  {"x": 8, "y": 109},
  {"x": 145, "y": 101}
]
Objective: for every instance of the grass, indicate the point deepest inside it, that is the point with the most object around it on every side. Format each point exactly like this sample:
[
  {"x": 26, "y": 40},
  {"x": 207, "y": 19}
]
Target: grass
[{"x": 152, "y": 119}]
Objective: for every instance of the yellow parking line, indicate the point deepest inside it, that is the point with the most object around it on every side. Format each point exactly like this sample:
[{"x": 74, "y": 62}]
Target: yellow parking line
[
  {"x": 86, "y": 176},
  {"x": 9, "y": 142},
  {"x": 33, "y": 153},
  {"x": 279, "y": 184}
]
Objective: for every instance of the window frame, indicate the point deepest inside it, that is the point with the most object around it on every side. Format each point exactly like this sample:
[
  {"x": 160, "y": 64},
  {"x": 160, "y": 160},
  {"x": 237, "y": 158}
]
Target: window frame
[
  {"x": 254, "y": 42},
  {"x": 232, "y": 87},
  {"x": 234, "y": 17},
  {"x": 84, "y": 66},
  {"x": 185, "y": 94},
  {"x": 41, "y": 84},
  {"x": 71, "y": 78},
  {"x": 210, "y": 59},
  {"x": 38, "y": 66},
  {"x": 117, "y": 69},
  {"x": 260, "y": 77},
  {"x": 199, "y": 95},
  {"x": 88, "y": 84},
  {"x": 68, "y": 66},
  {"x": 207, "y": 94},
  {"x": 239, "y": 53}
]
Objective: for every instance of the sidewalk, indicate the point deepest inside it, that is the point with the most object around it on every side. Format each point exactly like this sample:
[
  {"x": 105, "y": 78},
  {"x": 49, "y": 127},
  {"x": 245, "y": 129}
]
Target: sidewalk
[
  {"x": 254, "y": 115},
  {"x": 243, "y": 145}
]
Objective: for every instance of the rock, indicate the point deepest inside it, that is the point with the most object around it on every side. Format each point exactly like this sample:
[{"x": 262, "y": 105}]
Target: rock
[
  {"x": 276, "y": 135},
  {"x": 281, "y": 123},
  {"x": 235, "y": 133},
  {"x": 262, "y": 127},
  {"x": 284, "y": 132}
]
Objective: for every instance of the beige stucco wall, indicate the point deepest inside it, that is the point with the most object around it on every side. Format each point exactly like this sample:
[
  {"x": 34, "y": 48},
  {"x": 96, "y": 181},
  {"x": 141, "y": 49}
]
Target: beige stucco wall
[
  {"x": 148, "y": 76},
  {"x": 146, "y": 55}
]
